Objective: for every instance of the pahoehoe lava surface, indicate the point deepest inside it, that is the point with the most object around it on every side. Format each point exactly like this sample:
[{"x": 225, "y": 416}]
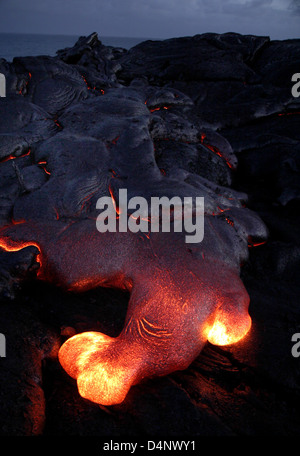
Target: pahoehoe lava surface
[{"x": 210, "y": 115}]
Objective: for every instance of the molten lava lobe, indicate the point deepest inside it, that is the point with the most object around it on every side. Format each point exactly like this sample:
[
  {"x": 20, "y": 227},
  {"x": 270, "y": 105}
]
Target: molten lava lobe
[
  {"x": 180, "y": 297},
  {"x": 165, "y": 329},
  {"x": 230, "y": 325},
  {"x": 178, "y": 300},
  {"x": 95, "y": 360}
]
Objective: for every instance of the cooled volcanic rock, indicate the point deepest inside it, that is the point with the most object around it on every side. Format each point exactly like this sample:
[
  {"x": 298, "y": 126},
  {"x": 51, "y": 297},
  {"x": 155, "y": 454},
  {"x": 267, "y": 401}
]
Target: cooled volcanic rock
[{"x": 201, "y": 116}]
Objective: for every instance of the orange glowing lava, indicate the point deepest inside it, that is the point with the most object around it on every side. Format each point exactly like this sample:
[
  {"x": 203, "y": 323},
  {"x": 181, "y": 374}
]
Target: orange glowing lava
[
  {"x": 86, "y": 82},
  {"x": 166, "y": 324},
  {"x": 253, "y": 243},
  {"x": 13, "y": 157},
  {"x": 159, "y": 108},
  {"x": 102, "y": 377},
  {"x": 92, "y": 88},
  {"x": 10, "y": 246},
  {"x": 116, "y": 207},
  {"x": 105, "y": 368},
  {"x": 43, "y": 163},
  {"x": 224, "y": 333},
  {"x": 214, "y": 149}
]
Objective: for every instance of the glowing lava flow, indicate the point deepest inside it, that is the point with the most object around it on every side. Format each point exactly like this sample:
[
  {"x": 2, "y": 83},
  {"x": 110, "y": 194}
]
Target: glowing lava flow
[
  {"x": 224, "y": 333},
  {"x": 180, "y": 296},
  {"x": 173, "y": 309},
  {"x": 43, "y": 166},
  {"x": 92, "y": 88},
  {"x": 177, "y": 301},
  {"x": 159, "y": 108},
  {"x": 253, "y": 243},
  {"x": 105, "y": 368},
  {"x": 116, "y": 207},
  {"x": 215, "y": 150},
  {"x": 10, "y": 246},
  {"x": 105, "y": 383},
  {"x": 13, "y": 157}
]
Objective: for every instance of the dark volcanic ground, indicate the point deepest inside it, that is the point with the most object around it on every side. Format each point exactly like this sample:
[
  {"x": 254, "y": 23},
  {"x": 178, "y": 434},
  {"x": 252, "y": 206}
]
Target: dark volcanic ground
[{"x": 236, "y": 86}]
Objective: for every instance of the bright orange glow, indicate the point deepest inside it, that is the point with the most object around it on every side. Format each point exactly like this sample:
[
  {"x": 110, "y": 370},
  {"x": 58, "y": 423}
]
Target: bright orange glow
[
  {"x": 90, "y": 357},
  {"x": 222, "y": 333},
  {"x": 91, "y": 88},
  {"x": 159, "y": 108},
  {"x": 75, "y": 353},
  {"x": 10, "y": 246},
  {"x": 111, "y": 391},
  {"x": 13, "y": 157},
  {"x": 229, "y": 221},
  {"x": 116, "y": 207},
  {"x": 44, "y": 167},
  {"x": 214, "y": 149},
  {"x": 164, "y": 329},
  {"x": 252, "y": 243},
  {"x": 86, "y": 82}
]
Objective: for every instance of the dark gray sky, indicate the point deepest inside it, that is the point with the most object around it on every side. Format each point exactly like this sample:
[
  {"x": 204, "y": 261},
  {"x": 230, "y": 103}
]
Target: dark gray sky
[{"x": 279, "y": 19}]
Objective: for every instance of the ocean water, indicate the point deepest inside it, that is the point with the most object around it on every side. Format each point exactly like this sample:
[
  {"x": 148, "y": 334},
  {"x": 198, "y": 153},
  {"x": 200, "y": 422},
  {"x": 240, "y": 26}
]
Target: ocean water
[{"x": 22, "y": 45}]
